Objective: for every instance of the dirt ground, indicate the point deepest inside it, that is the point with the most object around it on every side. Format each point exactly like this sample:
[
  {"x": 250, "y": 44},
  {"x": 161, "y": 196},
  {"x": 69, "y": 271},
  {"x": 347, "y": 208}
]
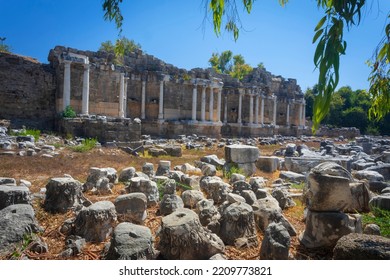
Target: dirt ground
[{"x": 38, "y": 170}]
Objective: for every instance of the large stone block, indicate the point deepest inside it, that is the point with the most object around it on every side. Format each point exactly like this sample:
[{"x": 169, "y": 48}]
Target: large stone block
[
  {"x": 268, "y": 164},
  {"x": 131, "y": 207},
  {"x": 241, "y": 153},
  {"x": 324, "y": 229},
  {"x": 329, "y": 188}
]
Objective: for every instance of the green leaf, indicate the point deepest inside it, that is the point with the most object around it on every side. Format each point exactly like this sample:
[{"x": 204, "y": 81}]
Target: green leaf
[
  {"x": 320, "y": 23},
  {"x": 317, "y": 35}
]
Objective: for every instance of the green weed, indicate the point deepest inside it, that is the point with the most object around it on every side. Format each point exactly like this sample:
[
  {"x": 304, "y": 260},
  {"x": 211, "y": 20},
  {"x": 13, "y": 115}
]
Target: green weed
[
  {"x": 379, "y": 217},
  {"x": 85, "y": 146}
]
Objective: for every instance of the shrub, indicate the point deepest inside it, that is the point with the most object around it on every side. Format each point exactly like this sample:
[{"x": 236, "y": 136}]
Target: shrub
[
  {"x": 68, "y": 112},
  {"x": 85, "y": 146}
]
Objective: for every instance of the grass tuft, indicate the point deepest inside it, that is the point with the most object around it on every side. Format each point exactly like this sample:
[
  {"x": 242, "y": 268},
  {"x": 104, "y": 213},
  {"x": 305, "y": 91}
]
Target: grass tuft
[
  {"x": 379, "y": 217},
  {"x": 85, "y": 146}
]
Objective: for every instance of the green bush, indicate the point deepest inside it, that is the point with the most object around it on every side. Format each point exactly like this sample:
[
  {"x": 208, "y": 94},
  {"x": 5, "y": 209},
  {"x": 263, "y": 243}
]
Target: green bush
[
  {"x": 85, "y": 146},
  {"x": 68, "y": 112}
]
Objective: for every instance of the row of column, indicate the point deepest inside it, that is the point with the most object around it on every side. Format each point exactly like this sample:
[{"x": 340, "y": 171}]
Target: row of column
[
  {"x": 85, "y": 94},
  {"x": 253, "y": 116},
  {"x": 203, "y": 103}
]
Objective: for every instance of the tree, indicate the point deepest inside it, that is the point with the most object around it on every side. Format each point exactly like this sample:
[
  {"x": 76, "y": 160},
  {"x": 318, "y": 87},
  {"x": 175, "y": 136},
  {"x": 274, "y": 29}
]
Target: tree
[
  {"x": 328, "y": 34},
  {"x": 122, "y": 45},
  {"x": 222, "y": 63},
  {"x": 4, "y": 47},
  {"x": 226, "y": 63}
]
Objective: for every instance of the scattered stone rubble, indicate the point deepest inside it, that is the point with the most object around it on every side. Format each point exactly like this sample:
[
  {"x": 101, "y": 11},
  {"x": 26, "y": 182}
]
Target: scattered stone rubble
[{"x": 340, "y": 179}]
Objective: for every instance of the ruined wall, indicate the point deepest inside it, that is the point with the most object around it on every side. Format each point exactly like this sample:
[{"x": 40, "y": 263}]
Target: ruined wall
[
  {"x": 27, "y": 92},
  {"x": 105, "y": 130}
]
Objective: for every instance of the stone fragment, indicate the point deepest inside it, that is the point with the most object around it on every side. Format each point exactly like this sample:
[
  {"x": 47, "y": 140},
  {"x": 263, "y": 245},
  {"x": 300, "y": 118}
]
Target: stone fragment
[
  {"x": 292, "y": 176},
  {"x": 268, "y": 164},
  {"x": 7, "y": 181},
  {"x": 215, "y": 189},
  {"x": 330, "y": 188},
  {"x": 10, "y": 195},
  {"x": 324, "y": 229},
  {"x": 208, "y": 213},
  {"x": 214, "y": 160},
  {"x": 64, "y": 194},
  {"x": 182, "y": 237},
  {"x": 283, "y": 197},
  {"x": 163, "y": 168},
  {"x": 381, "y": 202},
  {"x": 15, "y": 222},
  {"x": 191, "y": 198},
  {"x": 237, "y": 222},
  {"x": 372, "y": 229},
  {"x": 356, "y": 246},
  {"x": 266, "y": 210},
  {"x": 148, "y": 169},
  {"x": 170, "y": 203},
  {"x": 126, "y": 174},
  {"x": 131, "y": 207},
  {"x": 209, "y": 170},
  {"x": 131, "y": 242},
  {"x": 95, "y": 223},
  {"x": 145, "y": 186},
  {"x": 370, "y": 175},
  {"x": 249, "y": 196},
  {"x": 276, "y": 243}
]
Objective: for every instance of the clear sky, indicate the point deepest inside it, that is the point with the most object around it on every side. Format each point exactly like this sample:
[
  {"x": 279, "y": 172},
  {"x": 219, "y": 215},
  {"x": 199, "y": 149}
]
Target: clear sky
[{"x": 173, "y": 31}]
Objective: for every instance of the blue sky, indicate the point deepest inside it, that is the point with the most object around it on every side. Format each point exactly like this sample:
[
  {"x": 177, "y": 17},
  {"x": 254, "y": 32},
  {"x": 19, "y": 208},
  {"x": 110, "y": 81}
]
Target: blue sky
[{"x": 172, "y": 30}]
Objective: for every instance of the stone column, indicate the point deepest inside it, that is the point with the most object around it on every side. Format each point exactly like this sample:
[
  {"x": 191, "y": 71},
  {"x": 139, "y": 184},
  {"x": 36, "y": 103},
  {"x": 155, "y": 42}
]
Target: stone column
[
  {"x": 194, "y": 100},
  {"x": 262, "y": 110},
  {"x": 225, "y": 111},
  {"x": 66, "y": 96},
  {"x": 143, "y": 99},
  {"x": 203, "y": 109},
  {"x": 250, "y": 109},
  {"x": 211, "y": 105},
  {"x": 239, "y": 120},
  {"x": 85, "y": 97},
  {"x": 161, "y": 102},
  {"x": 304, "y": 114},
  {"x": 121, "y": 95},
  {"x": 288, "y": 113},
  {"x": 219, "y": 104},
  {"x": 300, "y": 114},
  {"x": 125, "y": 98},
  {"x": 275, "y": 105},
  {"x": 257, "y": 110}
]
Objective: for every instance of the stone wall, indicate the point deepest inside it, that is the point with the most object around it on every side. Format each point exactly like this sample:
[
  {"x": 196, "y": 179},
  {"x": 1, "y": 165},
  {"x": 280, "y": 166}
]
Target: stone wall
[
  {"x": 104, "y": 129},
  {"x": 27, "y": 92}
]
